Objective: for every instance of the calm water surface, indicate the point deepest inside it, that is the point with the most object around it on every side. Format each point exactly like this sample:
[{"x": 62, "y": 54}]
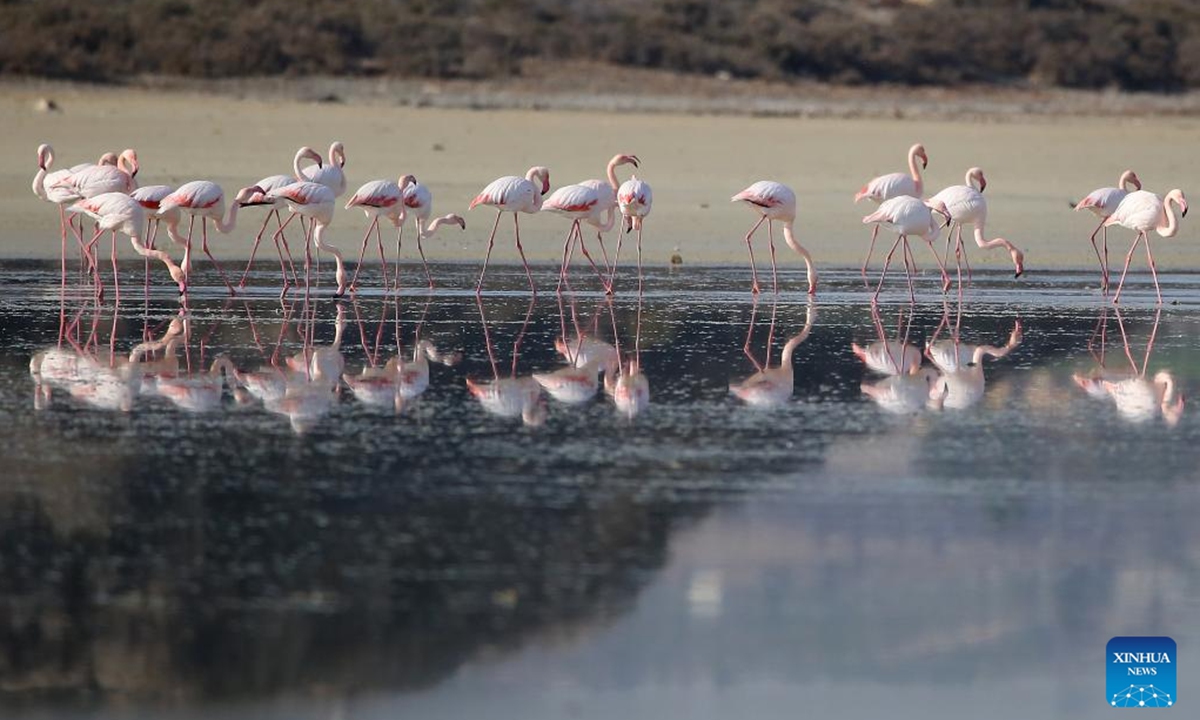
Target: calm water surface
[{"x": 419, "y": 507}]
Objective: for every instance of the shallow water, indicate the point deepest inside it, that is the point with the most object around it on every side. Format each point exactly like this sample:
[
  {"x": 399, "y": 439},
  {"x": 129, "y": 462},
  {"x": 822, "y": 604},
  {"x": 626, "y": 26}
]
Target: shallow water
[{"x": 939, "y": 544}]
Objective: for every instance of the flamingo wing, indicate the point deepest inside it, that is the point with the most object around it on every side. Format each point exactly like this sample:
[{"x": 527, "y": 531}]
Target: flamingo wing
[
  {"x": 1102, "y": 202},
  {"x": 571, "y": 199},
  {"x": 766, "y": 194},
  {"x": 886, "y": 187},
  {"x": 1139, "y": 210},
  {"x": 375, "y": 194}
]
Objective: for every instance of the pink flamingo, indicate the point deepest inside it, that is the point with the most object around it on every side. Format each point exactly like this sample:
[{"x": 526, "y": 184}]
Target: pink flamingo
[
  {"x": 580, "y": 203},
  {"x": 608, "y": 197},
  {"x": 774, "y": 201},
  {"x": 269, "y": 183},
  {"x": 331, "y": 175},
  {"x": 314, "y": 201},
  {"x": 1144, "y": 211},
  {"x": 772, "y": 386},
  {"x": 92, "y": 180},
  {"x": 46, "y": 187},
  {"x": 1102, "y": 203},
  {"x": 886, "y": 187},
  {"x": 149, "y": 197},
  {"x": 513, "y": 194},
  {"x": 378, "y": 198},
  {"x": 206, "y": 200},
  {"x": 119, "y": 212},
  {"x": 418, "y": 202},
  {"x": 634, "y": 199},
  {"x": 906, "y": 216},
  {"x": 967, "y": 205}
]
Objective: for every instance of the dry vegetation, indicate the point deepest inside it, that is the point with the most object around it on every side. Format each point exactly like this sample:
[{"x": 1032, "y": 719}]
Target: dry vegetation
[{"x": 1127, "y": 44}]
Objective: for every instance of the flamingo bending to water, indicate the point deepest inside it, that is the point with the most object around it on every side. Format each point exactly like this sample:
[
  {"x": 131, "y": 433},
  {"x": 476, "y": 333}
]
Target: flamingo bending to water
[
  {"x": 119, "y": 212},
  {"x": 205, "y": 200},
  {"x": 314, "y": 201},
  {"x": 775, "y": 201},
  {"x": 906, "y": 216},
  {"x": 967, "y": 205},
  {"x": 892, "y": 185}
]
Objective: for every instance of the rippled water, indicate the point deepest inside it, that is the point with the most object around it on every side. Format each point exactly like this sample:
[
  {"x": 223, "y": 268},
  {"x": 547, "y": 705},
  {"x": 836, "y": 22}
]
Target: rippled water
[{"x": 242, "y": 510}]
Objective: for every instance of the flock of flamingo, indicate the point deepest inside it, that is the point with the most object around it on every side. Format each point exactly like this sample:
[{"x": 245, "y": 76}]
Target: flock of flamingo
[{"x": 108, "y": 192}]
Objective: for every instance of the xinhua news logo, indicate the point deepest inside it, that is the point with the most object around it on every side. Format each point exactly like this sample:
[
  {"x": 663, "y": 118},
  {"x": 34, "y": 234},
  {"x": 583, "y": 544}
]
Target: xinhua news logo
[{"x": 1141, "y": 672}]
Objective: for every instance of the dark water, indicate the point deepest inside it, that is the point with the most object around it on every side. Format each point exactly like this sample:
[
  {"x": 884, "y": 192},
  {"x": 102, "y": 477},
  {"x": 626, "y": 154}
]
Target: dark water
[{"x": 199, "y": 517}]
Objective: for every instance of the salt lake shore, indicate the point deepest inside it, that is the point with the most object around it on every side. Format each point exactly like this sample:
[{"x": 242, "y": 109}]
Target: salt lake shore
[{"x": 699, "y": 144}]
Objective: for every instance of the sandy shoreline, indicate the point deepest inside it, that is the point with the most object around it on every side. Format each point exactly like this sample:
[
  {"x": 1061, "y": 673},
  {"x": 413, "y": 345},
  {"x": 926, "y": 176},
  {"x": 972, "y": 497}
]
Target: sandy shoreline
[{"x": 1035, "y": 165}]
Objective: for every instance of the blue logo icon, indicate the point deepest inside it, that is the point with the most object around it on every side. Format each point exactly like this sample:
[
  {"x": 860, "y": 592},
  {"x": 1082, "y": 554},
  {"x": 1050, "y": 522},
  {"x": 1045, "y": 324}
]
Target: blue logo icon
[{"x": 1141, "y": 672}]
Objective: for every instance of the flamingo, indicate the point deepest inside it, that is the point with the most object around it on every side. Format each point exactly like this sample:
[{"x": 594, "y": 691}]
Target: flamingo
[
  {"x": 379, "y": 198},
  {"x": 45, "y": 186},
  {"x": 119, "y": 212},
  {"x": 1101, "y": 203},
  {"x": 579, "y": 203},
  {"x": 967, "y": 205},
  {"x": 1144, "y": 211},
  {"x": 775, "y": 201},
  {"x": 316, "y": 202},
  {"x": 1137, "y": 399},
  {"x": 961, "y": 383},
  {"x": 267, "y": 184},
  {"x": 206, "y": 200},
  {"x": 418, "y": 202},
  {"x": 608, "y": 198},
  {"x": 92, "y": 180},
  {"x": 332, "y": 176},
  {"x": 513, "y": 194},
  {"x": 886, "y": 187},
  {"x": 634, "y": 199},
  {"x": 906, "y": 216},
  {"x": 885, "y": 355},
  {"x": 510, "y": 396}
]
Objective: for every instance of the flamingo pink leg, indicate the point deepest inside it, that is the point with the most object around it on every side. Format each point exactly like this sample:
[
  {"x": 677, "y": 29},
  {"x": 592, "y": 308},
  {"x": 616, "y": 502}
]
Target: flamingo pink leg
[
  {"x": 639, "y": 260},
  {"x": 254, "y": 250},
  {"x": 612, "y": 276},
  {"x": 363, "y": 251},
  {"x": 595, "y": 269},
  {"x": 910, "y": 267},
  {"x": 1153, "y": 270},
  {"x": 886, "y": 263},
  {"x": 482, "y": 273},
  {"x": 382, "y": 255},
  {"x": 521, "y": 252},
  {"x": 399, "y": 242},
  {"x": 1128, "y": 258},
  {"x": 568, "y": 251},
  {"x": 116, "y": 273},
  {"x": 217, "y": 265},
  {"x": 421, "y": 252},
  {"x": 1103, "y": 259},
  {"x": 870, "y": 251},
  {"x": 774, "y": 271},
  {"x": 754, "y": 288}
]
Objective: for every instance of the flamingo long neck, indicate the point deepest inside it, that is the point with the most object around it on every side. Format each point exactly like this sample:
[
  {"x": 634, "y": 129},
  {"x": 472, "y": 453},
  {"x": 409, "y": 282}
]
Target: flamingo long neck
[
  {"x": 612, "y": 174},
  {"x": 156, "y": 254},
  {"x": 611, "y": 217},
  {"x": 915, "y": 171},
  {"x": 790, "y": 239},
  {"x": 1168, "y": 385},
  {"x": 438, "y": 222},
  {"x": 318, "y": 235},
  {"x": 1126, "y": 180},
  {"x": 1172, "y": 225},
  {"x": 994, "y": 242},
  {"x": 229, "y": 222},
  {"x": 39, "y": 182}
]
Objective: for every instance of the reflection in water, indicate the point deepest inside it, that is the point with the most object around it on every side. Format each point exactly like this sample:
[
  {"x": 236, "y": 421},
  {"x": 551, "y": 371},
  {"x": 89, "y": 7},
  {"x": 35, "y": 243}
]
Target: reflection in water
[
  {"x": 161, "y": 563},
  {"x": 771, "y": 386},
  {"x": 1137, "y": 398},
  {"x": 510, "y": 396},
  {"x": 628, "y": 386},
  {"x": 579, "y": 380},
  {"x": 961, "y": 382}
]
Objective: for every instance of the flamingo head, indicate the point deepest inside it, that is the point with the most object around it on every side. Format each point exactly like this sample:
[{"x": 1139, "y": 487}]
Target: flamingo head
[
  {"x": 1177, "y": 196},
  {"x": 307, "y": 153},
  {"x": 859, "y": 351},
  {"x": 45, "y": 156},
  {"x": 939, "y": 207},
  {"x": 975, "y": 177},
  {"x": 542, "y": 173},
  {"x": 918, "y": 151},
  {"x": 1018, "y": 259},
  {"x": 625, "y": 160},
  {"x": 108, "y": 158},
  {"x": 1131, "y": 178},
  {"x": 251, "y": 195},
  {"x": 404, "y": 181},
  {"x": 457, "y": 220},
  {"x": 128, "y": 161},
  {"x": 337, "y": 154}
]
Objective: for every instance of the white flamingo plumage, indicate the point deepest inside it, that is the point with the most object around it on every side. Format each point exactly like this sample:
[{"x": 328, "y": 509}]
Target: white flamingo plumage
[
  {"x": 331, "y": 174},
  {"x": 1101, "y": 203},
  {"x": 892, "y": 185},
  {"x": 967, "y": 204},
  {"x": 515, "y": 195},
  {"x": 580, "y": 203},
  {"x": 119, "y": 212},
  {"x": 418, "y": 202},
  {"x": 906, "y": 216},
  {"x": 267, "y": 184},
  {"x": 205, "y": 200},
  {"x": 634, "y": 198},
  {"x": 379, "y": 199},
  {"x": 314, "y": 201},
  {"x": 775, "y": 202},
  {"x": 1143, "y": 211}
]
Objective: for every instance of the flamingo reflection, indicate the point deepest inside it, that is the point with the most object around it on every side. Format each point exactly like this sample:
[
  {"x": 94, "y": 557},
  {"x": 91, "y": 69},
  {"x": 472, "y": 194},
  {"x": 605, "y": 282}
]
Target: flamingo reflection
[
  {"x": 628, "y": 387},
  {"x": 961, "y": 383},
  {"x": 771, "y": 386},
  {"x": 510, "y": 396},
  {"x": 908, "y": 385},
  {"x": 1137, "y": 398}
]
